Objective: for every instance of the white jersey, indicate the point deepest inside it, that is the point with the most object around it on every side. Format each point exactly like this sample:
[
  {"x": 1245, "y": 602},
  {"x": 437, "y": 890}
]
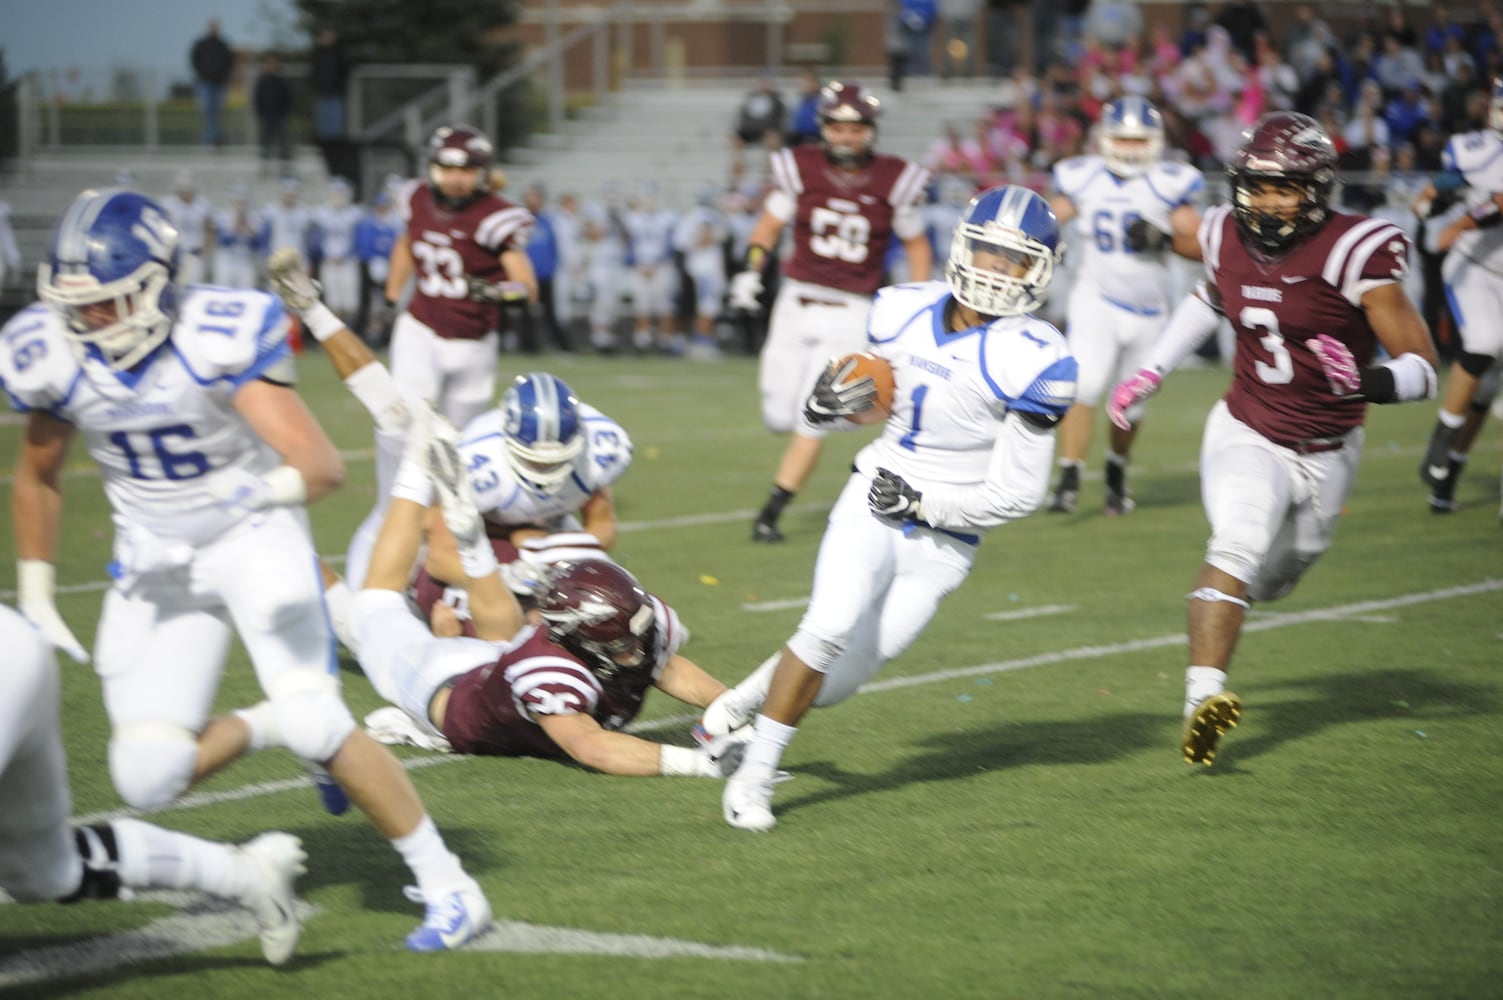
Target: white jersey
[
  {"x": 286, "y": 226},
  {"x": 192, "y": 219},
  {"x": 160, "y": 432},
  {"x": 651, "y": 236},
  {"x": 1105, "y": 206},
  {"x": 956, "y": 433},
  {"x": 336, "y": 230},
  {"x": 504, "y": 499},
  {"x": 1478, "y": 157}
]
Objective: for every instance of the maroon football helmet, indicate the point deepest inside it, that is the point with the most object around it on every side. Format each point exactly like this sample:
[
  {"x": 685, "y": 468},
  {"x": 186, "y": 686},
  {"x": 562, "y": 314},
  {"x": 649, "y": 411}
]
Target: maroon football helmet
[
  {"x": 1283, "y": 147},
  {"x": 841, "y": 101},
  {"x": 600, "y": 613},
  {"x": 460, "y": 146}
]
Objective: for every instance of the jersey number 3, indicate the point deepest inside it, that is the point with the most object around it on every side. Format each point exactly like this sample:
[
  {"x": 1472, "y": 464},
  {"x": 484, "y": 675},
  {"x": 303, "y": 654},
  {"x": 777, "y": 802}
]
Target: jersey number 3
[{"x": 1255, "y": 319}]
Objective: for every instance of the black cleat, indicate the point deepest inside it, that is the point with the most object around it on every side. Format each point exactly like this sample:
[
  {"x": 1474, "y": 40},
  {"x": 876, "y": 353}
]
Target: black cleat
[
  {"x": 1067, "y": 493},
  {"x": 765, "y": 531},
  {"x": 1435, "y": 466}
]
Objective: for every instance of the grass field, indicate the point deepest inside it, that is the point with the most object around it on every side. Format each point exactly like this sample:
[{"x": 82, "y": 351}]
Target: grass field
[{"x": 1003, "y": 813}]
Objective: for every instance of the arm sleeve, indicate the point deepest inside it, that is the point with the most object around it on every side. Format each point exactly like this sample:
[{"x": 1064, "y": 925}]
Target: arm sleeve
[
  {"x": 1194, "y": 321},
  {"x": 1017, "y": 480}
]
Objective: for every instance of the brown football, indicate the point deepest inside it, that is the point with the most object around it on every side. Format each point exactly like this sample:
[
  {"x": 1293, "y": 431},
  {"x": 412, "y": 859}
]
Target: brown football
[{"x": 880, "y": 372}]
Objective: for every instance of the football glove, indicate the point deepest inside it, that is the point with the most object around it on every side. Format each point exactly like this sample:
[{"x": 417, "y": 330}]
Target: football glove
[
  {"x": 290, "y": 280},
  {"x": 35, "y": 584},
  {"x": 746, "y": 291},
  {"x": 1129, "y": 393},
  {"x": 1337, "y": 362},
  {"x": 892, "y": 498},
  {"x": 726, "y": 714},
  {"x": 1142, "y": 236},
  {"x": 501, "y": 291},
  {"x": 834, "y": 397}
]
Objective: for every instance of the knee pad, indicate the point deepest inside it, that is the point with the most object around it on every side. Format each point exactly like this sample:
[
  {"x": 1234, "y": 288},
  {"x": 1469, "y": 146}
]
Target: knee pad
[
  {"x": 1475, "y": 365},
  {"x": 816, "y": 652},
  {"x": 310, "y": 716},
  {"x": 152, "y": 763}
]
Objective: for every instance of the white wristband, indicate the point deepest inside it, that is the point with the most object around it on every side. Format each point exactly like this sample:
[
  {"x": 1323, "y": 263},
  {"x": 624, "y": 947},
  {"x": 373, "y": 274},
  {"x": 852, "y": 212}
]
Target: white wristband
[
  {"x": 285, "y": 487},
  {"x": 378, "y": 393},
  {"x": 321, "y": 322},
  {"x": 1413, "y": 378},
  {"x": 678, "y": 762},
  {"x": 479, "y": 560},
  {"x": 36, "y": 579}
]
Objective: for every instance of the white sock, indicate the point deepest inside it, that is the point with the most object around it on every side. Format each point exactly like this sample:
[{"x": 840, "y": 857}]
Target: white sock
[
  {"x": 154, "y": 858},
  {"x": 263, "y": 726},
  {"x": 435, "y": 867},
  {"x": 770, "y": 738},
  {"x": 1452, "y": 420},
  {"x": 341, "y": 608},
  {"x": 1112, "y": 458},
  {"x": 1200, "y": 684}
]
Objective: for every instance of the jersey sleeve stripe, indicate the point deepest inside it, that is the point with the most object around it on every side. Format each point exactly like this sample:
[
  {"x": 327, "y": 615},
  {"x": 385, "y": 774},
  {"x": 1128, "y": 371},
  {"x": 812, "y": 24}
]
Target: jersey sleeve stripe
[
  {"x": 498, "y": 227},
  {"x": 1353, "y": 286},
  {"x": 1340, "y": 255},
  {"x": 785, "y": 172},
  {"x": 909, "y": 186}
]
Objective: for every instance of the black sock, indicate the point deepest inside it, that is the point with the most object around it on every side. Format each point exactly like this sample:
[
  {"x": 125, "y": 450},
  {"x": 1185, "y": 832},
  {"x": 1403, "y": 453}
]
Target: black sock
[{"x": 773, "y": 508}]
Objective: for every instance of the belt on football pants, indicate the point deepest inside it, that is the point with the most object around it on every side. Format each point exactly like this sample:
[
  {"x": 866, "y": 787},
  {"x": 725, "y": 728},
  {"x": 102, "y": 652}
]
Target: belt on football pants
[
  {"x": 909, "y": 526},
  {"x": 1313, "y": 446}
]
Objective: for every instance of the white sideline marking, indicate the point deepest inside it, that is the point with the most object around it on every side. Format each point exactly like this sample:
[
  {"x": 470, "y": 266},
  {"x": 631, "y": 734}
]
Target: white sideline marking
[
  {"x": 202, "y": 922},
  {"x": 1021, "y": 613},
  {"x": 511, "y": 935},
  {"x": 792, "y": 602}
]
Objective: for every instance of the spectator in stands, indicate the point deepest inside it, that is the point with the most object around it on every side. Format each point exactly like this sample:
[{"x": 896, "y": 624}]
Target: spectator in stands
[
  {"x": 916, "y": 18},
  {"x": 329, "y": 74},
  {"x": 213, "y": 64},
  {"x": 193, "y": 217},
  {"x": 542, "y": 248},
  {"x": 1398, "y": 66},
  {"x": 1243, "y": 19},
  {"x": 376, "y": 234},
  {"x": 1442, "y": 30},
  {"x": 1197, "y": 24},
  {"x": 1306, "y": 39},
  {"x": 803, "y": 125},
  {"x": 1405, "y": 112},
  {"x": 958, "y": 57},
  {"x": 1276, "y": 78},
  {"x": 1367, "y": 128},
  {"x": 1397, "y": 26},
  {"x": 272, "y": 101},
  {"x": 759, "y": 122}
]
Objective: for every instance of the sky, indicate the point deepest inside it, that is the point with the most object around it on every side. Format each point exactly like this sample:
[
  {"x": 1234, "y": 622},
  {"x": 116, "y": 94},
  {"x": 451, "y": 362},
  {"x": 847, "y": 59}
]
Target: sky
[{"x": 97, "y": 36}]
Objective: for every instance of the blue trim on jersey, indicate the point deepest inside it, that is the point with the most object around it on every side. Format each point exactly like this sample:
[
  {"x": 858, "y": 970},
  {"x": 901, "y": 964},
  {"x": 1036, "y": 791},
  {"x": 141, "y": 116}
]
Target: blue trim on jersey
[
  {"x": 264, "y": 362},
  {"x": 939, "y": 315},
  {"x": 1135, "y": 310},
  {"x": 1086, "y": 180},
  {"x": 574, "y": 475},
  {"x": 944, "y": 337},
  {"x": 1053, "y": 391},
  {"x": 131, "y": 378},
  {"x": 1184, "y": 198},
  {"x": 1455, "y": 306},
  {"x": 909, "y": 527}
]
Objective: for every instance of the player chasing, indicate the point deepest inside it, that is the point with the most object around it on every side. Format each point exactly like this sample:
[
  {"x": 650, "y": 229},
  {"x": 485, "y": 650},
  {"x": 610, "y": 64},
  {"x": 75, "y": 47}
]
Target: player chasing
[
  {"x": 1310, "y": 293},
  {"x": 979, "y": 387},
  {"x": 208, "y": 458},
  {"x": 1139, "y": 206},
  {"x": 845, "y": 203},
  {"x": 43, "y": 858}
]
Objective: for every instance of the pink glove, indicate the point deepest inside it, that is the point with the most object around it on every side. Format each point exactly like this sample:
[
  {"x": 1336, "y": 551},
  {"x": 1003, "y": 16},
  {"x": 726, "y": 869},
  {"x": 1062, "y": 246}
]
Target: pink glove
[
  {"x": 1336, "y": 360},
  {"x": 1129, "y": 393}
]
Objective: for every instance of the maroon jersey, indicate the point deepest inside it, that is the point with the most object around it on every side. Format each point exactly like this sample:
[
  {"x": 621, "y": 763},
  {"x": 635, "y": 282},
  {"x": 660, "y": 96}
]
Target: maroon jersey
[
  {"x": 1276, "y": 304},
  {"x": 493, "y": 710},
  {"x": 427, "y": 590},
  {"x": 448, "y": 247},
  {"x": 842, "y": 220}
]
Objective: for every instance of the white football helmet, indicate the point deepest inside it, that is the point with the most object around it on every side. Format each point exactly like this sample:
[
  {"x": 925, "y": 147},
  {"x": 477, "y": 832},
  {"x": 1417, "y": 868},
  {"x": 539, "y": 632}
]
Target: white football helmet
[{"x": 1132, "y": 136}]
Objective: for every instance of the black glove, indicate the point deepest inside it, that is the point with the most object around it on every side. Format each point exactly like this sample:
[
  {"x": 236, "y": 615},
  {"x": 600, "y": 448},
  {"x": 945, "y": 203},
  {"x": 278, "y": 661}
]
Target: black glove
[
  {"x": 891, "y": 497},
  {"x": 833, "y": 397},
  {"x": 502, "y": 291},
  {"x": 1143, "y": 236}
]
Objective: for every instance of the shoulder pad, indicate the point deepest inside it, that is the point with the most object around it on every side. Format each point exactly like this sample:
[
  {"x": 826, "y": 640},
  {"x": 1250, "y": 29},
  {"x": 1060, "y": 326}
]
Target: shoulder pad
[
  {"x": 37, "y": 364},
  {"x": 608, "y": 448},
  {"x": 1027, "y": 364},
  {"x": 896, "y": 305},
  {"x": 230, "y": 334},
  {"x": 1071, "y": 174},
  {"x": 1175, "y": 182}
]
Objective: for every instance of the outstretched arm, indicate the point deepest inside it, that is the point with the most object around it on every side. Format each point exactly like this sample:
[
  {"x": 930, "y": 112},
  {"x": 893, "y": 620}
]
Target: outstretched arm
[{"x": 685, "y": 680}]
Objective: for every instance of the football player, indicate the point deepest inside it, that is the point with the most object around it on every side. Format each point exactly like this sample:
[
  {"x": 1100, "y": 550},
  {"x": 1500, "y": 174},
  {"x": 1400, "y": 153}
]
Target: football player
[
  {"x": 654, "y": 278},
  {"x": 1471, "y": 236},
  {"x": 43, "y": 858},
  {"x": 561, "y": 689},
  {"x": 979, "y": 386},
  {"x": 334, "y": 225},
  {"x": 465, "y": 246},
  {"x": 193, "y": 218},
  {"x": 844, "y": 202},
  {"x": 1135, "y": 207},
  {"x": 208, "y": 459},
  {"x": 1311, "y": 294}
]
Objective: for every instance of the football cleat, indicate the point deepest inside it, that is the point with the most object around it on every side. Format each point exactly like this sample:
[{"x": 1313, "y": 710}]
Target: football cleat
[
  {"x": 1443, "y": 490},
  {"x": 1435, "y": 466},
  {"x": 766, "y": 531},
  {"x": 747, "y": 801},
  {"x": 395, "y": 728},
  {"x": 452, "y": 481},
  {"x": 1119, "y": 499},
  {"x": 278, "y": 859},
  {"x": 1067, "y": 494},
  {"x": 451, "y": 921},
  {"x": 290, "y": 280},
  {"x": 1206, "y": 724},
  {"x": 335, "y": 801}
]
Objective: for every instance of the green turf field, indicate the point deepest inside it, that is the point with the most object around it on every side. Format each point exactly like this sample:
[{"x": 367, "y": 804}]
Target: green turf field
[{"x": 1004, "y": 813}]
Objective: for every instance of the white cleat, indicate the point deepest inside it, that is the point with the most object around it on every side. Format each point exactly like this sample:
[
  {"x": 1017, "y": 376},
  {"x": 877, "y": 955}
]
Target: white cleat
[
  {"x": 452, "y": 920},
  {"x": 290, "y": 280},
  {"x": 278, "y": 859},
  {"x": 395, "y": 728},
  {"x": 747, "y": 802}
]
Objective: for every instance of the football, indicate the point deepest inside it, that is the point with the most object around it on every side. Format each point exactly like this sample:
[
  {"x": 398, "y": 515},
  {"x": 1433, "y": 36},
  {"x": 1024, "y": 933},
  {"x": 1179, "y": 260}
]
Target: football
[{"x": 880, "y": 372}]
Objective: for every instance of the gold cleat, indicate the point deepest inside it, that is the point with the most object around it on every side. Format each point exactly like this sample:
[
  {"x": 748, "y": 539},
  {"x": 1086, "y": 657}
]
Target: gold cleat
[{"x": 1204, "y": 727}]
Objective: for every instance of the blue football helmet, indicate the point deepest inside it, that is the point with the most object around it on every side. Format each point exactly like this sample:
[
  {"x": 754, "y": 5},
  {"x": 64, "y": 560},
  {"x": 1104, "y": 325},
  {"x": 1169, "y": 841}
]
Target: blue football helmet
[
  {"x": 109, "y": 273},
  {"x": 1138, "y": 122},
  {"x": 541, "y": 419},
  {"x": 1008, "y": 224}
]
